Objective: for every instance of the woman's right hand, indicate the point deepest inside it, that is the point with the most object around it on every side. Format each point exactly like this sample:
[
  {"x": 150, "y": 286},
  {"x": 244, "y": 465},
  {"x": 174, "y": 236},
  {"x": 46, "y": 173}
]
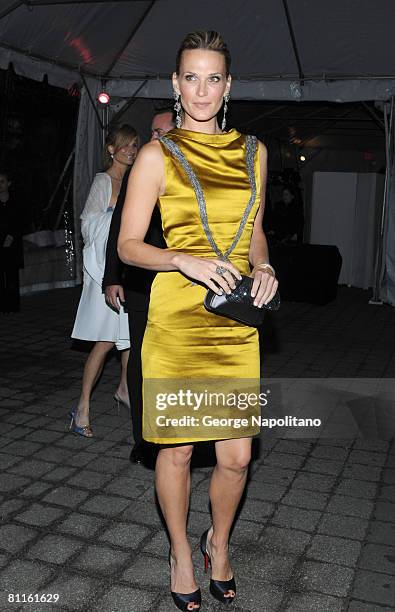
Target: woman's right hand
[
  {"x": 114, "y": 296},
  {"x": 205, "y": 271}
]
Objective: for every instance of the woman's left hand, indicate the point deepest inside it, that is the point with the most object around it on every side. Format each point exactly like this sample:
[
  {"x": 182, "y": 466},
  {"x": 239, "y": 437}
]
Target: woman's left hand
[{"x": 264, "y": 286}]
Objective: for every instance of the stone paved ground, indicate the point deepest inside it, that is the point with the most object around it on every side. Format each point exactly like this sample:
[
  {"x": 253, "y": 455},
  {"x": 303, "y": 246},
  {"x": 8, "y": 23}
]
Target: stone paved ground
[{"x": 315, "y": 533}]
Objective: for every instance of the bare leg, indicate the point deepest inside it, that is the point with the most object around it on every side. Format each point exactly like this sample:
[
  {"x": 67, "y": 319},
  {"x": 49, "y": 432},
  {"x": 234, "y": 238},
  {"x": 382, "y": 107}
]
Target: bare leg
[
  {"x": 122, "y": 390},
  {"x": 226, "y": 488},
  {"x": 92, "y": 370},
  {"x": 173, "y": 484}
]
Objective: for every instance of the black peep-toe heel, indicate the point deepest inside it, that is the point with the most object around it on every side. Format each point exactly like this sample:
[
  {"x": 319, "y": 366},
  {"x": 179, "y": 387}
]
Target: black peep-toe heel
[
  {"x": 218, "y": 588},
  {"x": 182, "y": 600}
]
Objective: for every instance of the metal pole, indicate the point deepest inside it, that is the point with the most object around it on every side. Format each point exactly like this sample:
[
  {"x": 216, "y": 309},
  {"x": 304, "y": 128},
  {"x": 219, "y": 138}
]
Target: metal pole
[{"x": 388, "y": 126}]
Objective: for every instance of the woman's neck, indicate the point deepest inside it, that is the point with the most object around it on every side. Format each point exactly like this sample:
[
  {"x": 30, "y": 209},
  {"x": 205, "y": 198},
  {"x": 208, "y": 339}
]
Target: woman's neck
[
  {"x": 4, "y": 196},
  {"x": 117, "y": 171},
  {"x": 205, "y": 127}
]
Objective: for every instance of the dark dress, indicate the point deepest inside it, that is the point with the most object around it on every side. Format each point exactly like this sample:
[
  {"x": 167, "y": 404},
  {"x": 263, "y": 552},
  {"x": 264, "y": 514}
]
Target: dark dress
[
  {"x": 137, "y": 287},
  {"x": 11, "y": 257}
]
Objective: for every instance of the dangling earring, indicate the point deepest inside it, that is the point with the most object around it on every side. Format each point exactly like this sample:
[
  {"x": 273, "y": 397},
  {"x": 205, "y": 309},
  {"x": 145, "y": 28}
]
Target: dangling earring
[
  {"x": 226, "y": 100},
  {"x": 112, "y": 155},
  {"x": 177, "y": 108}
]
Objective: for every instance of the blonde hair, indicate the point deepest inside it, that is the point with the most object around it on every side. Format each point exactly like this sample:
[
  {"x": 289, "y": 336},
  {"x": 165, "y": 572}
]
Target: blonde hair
[
  {"x": 118, "y": 137},
  {"x": 204, "y": 39}
]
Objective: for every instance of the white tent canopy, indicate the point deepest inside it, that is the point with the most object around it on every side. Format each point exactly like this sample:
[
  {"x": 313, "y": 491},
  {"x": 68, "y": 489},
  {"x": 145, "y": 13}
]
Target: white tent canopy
[{"x": 282, "y": 50}]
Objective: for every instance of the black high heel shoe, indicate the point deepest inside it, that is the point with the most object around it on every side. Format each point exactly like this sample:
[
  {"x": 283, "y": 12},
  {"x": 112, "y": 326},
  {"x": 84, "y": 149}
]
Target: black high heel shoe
[
  {"x": 218, "y": 588},
  {"x": 183, "y": 599}
]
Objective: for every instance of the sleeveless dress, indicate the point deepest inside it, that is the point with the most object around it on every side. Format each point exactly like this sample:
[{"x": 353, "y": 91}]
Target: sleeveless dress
[
  {"x": 183, "y": 341},
  {"x": 95, "y": 320}
]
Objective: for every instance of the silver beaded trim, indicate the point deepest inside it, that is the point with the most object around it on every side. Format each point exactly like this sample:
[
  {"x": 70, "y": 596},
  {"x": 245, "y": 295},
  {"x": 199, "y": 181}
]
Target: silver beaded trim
[{"x": 251, "y": 146}]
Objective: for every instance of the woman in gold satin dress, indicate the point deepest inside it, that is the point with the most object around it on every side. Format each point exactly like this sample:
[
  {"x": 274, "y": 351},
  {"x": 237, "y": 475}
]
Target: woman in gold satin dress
[{"x": 182, "y": 338}]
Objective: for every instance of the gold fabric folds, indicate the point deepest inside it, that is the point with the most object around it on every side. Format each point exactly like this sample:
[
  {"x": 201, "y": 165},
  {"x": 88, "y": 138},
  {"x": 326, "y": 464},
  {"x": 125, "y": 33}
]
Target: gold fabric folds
[{"x": 182, "y": 339}]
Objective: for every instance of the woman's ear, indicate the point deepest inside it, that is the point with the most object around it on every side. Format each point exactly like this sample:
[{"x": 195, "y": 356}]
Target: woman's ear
[
  {"x": 228, "y": 84},
  {"x": 174, "y": 80}
]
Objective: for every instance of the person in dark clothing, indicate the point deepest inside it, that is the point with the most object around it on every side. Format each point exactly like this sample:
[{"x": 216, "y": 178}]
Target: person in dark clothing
[
  {"x": 11, "y": 249},
  {"x": 131, "y": 286},
  {"x": 287, "y": 220}
]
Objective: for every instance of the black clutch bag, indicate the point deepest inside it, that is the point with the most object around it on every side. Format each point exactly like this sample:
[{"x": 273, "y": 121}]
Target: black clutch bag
[{"x": 239, "y": 304}]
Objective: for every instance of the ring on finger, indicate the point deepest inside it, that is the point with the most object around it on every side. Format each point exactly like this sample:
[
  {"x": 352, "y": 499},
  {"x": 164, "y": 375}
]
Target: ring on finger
[{"x": 220, "y": 270}]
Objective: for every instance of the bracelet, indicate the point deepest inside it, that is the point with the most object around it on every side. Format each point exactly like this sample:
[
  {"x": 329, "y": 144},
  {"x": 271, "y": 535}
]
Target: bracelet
[{"x": 263, "y": 266}]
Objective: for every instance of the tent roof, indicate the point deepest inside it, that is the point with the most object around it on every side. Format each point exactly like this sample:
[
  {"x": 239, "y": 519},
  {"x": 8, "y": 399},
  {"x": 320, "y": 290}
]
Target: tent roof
[{"x": 281, "y": 49}]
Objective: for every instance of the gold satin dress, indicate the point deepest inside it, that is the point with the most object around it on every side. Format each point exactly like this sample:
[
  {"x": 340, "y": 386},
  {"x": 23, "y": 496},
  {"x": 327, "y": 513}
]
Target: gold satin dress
[{"x": 182, "y": 339}]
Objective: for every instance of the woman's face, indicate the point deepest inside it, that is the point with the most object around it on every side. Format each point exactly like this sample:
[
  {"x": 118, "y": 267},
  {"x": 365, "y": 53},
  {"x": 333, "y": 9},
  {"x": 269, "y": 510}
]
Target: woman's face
[
  {"x": 126, "y": 154},
  {"x": 202, "y": 83}
]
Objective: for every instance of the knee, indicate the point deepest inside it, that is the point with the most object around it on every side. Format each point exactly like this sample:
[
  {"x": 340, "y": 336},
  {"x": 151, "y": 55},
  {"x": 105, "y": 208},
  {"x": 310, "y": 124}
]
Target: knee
[
  {"x": 237, "y": 462},
  {"x": 179, "y": 456}
]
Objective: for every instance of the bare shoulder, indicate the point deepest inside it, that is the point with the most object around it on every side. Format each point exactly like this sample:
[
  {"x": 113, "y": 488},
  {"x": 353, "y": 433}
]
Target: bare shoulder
[
  {"x": 262, "y": 150},
  {"x": 150, "y": 153}
]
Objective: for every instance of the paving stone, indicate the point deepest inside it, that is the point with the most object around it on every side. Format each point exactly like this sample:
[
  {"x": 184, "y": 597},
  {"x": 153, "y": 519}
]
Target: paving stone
[
  {"x": 372, "y": 445},
  {"x": 378, "y": 558},
  {"x": 266, "y": 598},
  {"x": 283, "y": 540},
  {"x": 108, "y": 465},
  {"x": 24, "y": 576},
  {"x": 268, "y": 473},
  {"x": 323, "y": 466},
  {"x": 293, "y": 447},
  {"x": 44, "y": 436},
  {"x": 265, "y": 491},
  {"x": 125, "y": 534},
  {"x": 32, "y": 468},
  {"x": 81, "y": 460},
  {"x": 332, "y": 453},
  {"x": 384, "y": 511},
  {"x": 127, "y": 487},
  {"x": 159, "y": 544},
  {"x": 19, "y": 432},
  {"x": 59, "y": 474},
  {"x": 362, "y": 472},
  {"x": 296, "y": 518},
  {"x": 8, "y": 507},
  {"x": 254, "y": 510},
  {"x": 40, "y": 515},
  {"x": 148, "y": 571},
  {"x": 314, "y": 482},
  {"x": 53, "y": 454},
  {"x": 81, "y": 525},
  {"x": 54, "y": 549},
  {"x": 357, "y": 488},
  {"x": 101, "y": 560},
  {"x": 87, "y": 479},
  {"x": 309, "y": 602},
  {"x": 343, "y": 526},
  {"x": 387, "y": 493},
  {"x": 326, "y": 578},
  {"x": 382, "y": 533},
  {"x": 125, "y": 599},
  {"x": 367, "y": 458},
  {"x": 35, "y": 490},
  {"x": 7, "y": 461},
  {"x": 141, "y": 512},
  {"x": 15, "y": 537},
  {"x": 389, "y": 476},
  {"x": 11, "y": 482},
  {"x": 350, "y": 506},
  {"x": 282, "y": 460},
  {"x": 75, "y": 592},
  {"x": 359, "y": 606},
  {"x": 305, "y": 499},
  {"x": 374, "y": 587},
  {"x": 105, "y": 505},
  {"x": 334, "y": 550},
  {"x": 66, "y": 496},
  {"x": 254, "y": 562}
]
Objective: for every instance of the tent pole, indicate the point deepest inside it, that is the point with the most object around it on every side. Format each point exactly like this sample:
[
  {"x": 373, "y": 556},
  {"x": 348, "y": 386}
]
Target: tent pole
[
  {"x": 388, "y": 123},
  {"x": 91, "y": 100}
]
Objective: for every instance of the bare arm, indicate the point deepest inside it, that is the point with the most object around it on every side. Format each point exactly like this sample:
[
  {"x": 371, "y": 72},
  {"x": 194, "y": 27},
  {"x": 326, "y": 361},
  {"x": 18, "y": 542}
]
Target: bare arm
[
  {"x": 146, "y": 184},
  {"x": 265, "y": 283}
]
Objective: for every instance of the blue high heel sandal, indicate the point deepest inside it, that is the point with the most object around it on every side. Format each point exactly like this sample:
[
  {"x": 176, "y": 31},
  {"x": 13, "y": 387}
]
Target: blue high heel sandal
[
  {"x": 85, "y": 432},
  {"x": 218, "y": 588},
  {"x": 183, "y": 599}
]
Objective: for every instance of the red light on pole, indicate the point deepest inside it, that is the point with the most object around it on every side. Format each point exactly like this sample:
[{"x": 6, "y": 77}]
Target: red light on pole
[{"x": 103, "y": 97}]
